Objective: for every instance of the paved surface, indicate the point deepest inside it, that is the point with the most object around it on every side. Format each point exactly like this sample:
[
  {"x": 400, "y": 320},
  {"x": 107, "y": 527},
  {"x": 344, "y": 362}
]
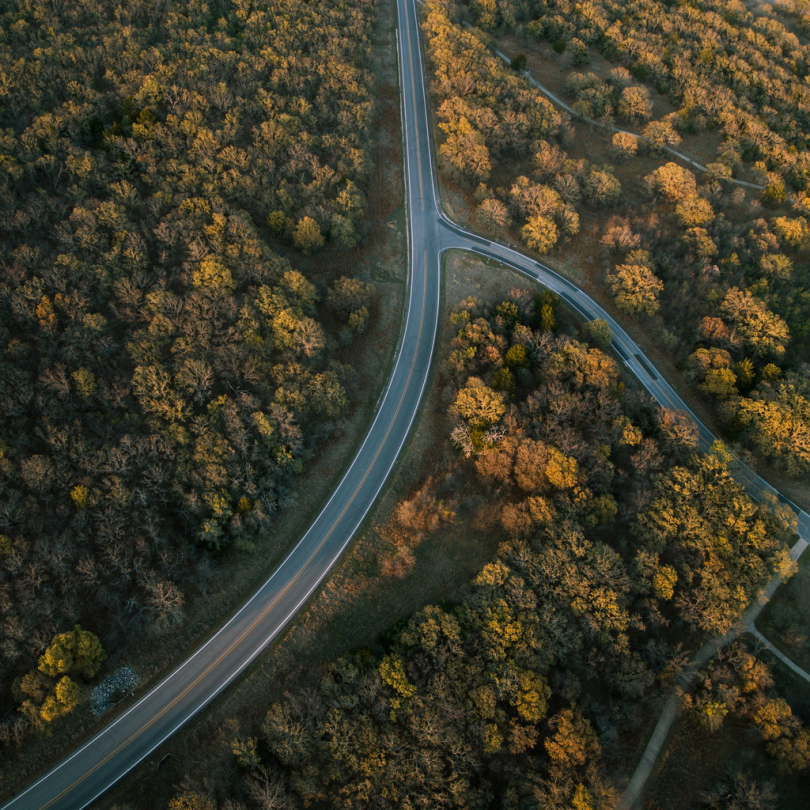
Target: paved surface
[
  {"x": 119, "y": 747},
  {"x": 791, "y": 665},
  {"x": 569, "y": 109}
]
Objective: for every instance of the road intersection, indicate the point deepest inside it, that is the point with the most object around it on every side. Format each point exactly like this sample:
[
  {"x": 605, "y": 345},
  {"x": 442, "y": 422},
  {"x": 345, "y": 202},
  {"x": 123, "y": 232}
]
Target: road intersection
[{"x": 115, "y": 750}]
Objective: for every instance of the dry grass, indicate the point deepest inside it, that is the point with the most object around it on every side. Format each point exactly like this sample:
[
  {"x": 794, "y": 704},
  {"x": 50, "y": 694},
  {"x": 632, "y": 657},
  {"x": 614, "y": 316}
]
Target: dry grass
[
  {"x": 579, "y": 259},
  {"x": 553, "y": 69},
  {"x": 785, "y": 621},
  {"x": 695, "y": 760}
]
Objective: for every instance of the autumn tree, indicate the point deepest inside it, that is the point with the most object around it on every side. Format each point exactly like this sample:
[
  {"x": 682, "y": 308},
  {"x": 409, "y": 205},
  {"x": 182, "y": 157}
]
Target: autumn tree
[
  {"x": 762, "y": 331},
  {"x": 635, "y": 287},
  {"x": 78, "y": 651}
]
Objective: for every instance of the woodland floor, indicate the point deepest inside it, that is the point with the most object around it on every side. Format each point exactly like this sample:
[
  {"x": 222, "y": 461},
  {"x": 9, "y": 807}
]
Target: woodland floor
[
  {"x": 553, "y": 70},
  {"x": 785, "y": 622},
  {"x": 696, "y": 760}
]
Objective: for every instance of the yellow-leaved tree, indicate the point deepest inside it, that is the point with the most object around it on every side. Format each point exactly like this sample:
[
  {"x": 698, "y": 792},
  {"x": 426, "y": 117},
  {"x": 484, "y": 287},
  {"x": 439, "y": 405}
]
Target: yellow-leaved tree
[{"x": 78, "y": 651}]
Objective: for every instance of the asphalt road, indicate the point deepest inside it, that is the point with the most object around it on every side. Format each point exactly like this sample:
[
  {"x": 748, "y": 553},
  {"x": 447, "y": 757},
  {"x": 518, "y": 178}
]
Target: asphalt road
[{"x": 137, "y": 732}]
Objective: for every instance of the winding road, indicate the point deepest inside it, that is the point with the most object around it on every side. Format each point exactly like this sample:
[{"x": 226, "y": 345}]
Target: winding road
[{"x": 128, "y": 739}]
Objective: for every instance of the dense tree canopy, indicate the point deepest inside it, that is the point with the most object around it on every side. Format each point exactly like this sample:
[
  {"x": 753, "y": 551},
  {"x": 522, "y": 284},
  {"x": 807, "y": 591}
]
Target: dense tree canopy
[
  {"x": 165, "y": 372},
  {"x": 712, "y": 252},
  {"x": 618, "y": 537}
]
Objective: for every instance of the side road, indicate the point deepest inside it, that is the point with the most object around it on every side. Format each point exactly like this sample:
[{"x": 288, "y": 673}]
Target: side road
[
  {"x": 555, "y": 99},
  {"x": 120, "y": 746}
]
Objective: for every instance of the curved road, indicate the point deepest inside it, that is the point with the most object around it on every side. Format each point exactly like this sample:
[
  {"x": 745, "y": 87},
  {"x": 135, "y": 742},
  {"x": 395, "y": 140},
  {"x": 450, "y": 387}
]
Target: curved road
[{"x": 120, "y": 746}]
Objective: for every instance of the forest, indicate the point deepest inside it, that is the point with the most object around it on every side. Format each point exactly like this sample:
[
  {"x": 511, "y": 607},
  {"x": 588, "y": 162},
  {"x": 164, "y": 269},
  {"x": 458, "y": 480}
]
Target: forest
[
  {"x": 166, "y": 371},
  {"x": 624, "y": 548},
  {"x": 719, "y": 271}
]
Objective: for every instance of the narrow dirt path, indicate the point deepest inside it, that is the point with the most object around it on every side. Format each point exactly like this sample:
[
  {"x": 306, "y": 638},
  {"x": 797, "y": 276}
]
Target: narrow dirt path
[
  {"x": 555, "y": 99},
  {"x": 660, "y": 734}
]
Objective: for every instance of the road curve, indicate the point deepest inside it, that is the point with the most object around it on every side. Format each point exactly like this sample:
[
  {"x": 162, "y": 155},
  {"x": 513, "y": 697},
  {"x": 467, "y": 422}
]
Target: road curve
[
  {"x": 630, "y": 353},
  {"x": 115, "y": 750},
  {"x": 98, "y": 764}
]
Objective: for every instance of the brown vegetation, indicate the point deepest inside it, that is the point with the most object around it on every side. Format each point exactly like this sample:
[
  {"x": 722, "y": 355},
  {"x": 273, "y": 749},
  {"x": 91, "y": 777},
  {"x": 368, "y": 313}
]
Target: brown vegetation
[
  {"x": 166, "y": 373},
  {"x": 615, "y": 554},
  {"x": 705, "y": 253}
]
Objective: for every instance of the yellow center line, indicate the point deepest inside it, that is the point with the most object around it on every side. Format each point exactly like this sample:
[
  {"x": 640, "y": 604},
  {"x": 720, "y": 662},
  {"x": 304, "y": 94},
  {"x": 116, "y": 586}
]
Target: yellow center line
[{"x": 264, "y": 613}]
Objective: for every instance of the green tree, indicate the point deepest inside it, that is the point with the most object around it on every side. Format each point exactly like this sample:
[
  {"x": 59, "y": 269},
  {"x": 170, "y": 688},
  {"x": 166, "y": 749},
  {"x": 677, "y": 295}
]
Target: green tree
[
  {"x": 212, "y": 274},
  {"x": 299, "y": 291},
  {"x": 601, "y": 187},
  {"x": 664, "y": 581},
  {"x": 721, "y": 382},
  {"x": 348, "y": 295},
  {"x": 80, "y": 495},
  {"x": 599, "y": 332},
  {"x": 774, "y": 194},
  {"x": 64, "y": 699},
  {"x": 246, "y": 752},
  {"x": 518, "y": 63},
  {"x": 85, "y": 382},
  {"x": 517, "y": 357}
]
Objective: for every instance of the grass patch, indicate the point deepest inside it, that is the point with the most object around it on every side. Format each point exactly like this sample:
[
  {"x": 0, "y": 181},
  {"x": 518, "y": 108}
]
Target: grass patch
[
  {"x": 553, "y": 70},
  {"x": 696, "y": 760}
]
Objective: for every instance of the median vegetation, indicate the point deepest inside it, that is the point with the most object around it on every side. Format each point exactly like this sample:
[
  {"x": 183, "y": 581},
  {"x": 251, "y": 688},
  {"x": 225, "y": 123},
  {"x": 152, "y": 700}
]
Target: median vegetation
[{"x": 622, "y": 549}]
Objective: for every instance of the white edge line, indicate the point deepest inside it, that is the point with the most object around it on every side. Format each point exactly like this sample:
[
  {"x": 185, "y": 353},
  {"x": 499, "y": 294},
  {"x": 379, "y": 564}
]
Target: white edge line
[
  {"x": 668, "y": 389},
  {"x": 233, "y": 620}
]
